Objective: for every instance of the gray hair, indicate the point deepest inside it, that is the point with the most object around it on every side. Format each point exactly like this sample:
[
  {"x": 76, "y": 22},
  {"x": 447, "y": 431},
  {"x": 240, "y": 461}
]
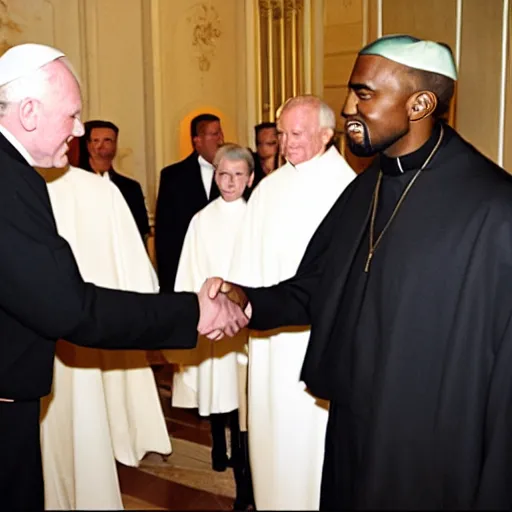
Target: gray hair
[
  {"x": 326, "y": 115},
  {"x": 233, "y": 152},
  {"x": 33, "y": 85}
]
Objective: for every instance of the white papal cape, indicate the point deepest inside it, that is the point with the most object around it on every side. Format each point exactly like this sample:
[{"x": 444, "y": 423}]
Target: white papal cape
[
  {"x": 104, "y": 404},
  {"x": 208, "y": 375},
  {"x": 286, "y": 424}
]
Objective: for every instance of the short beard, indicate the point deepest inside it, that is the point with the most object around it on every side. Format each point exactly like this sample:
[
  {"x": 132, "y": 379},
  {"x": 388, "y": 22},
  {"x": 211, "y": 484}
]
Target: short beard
[{"x": 367, "y": 149}]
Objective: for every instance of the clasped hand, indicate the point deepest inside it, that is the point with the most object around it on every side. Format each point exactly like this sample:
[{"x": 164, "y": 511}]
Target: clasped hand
[{"x": 224, "y": 309}]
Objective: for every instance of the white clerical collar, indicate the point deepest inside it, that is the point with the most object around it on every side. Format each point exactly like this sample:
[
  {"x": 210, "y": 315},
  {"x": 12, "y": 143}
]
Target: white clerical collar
[
  {"x": 310, "y": 163},
  {"x": 17, "y": 144}
]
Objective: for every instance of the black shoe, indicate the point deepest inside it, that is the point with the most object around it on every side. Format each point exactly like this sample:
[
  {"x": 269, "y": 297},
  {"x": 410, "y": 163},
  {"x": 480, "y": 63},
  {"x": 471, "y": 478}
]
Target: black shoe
[{"x": 220, "y": 463}]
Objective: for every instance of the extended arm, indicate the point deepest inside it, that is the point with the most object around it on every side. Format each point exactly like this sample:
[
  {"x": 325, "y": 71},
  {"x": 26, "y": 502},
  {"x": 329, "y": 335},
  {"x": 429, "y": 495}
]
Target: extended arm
[
  {"x": 43, "y": 290},
  {"x": 288, "y": 303}
]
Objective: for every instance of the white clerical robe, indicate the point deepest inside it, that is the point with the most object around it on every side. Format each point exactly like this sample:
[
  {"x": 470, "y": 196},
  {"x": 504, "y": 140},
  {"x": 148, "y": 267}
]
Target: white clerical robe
[
  {"x": 208, "y": 375},
  {"x": 286, "y": 424},
  {"x": 104, "y": 404}
]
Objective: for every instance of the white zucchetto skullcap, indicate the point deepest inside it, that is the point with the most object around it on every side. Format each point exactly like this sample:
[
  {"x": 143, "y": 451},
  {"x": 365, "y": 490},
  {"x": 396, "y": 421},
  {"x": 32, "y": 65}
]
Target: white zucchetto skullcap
[
  {"x": 23, "y": 59},
  {"x": 415, "y": 53}
]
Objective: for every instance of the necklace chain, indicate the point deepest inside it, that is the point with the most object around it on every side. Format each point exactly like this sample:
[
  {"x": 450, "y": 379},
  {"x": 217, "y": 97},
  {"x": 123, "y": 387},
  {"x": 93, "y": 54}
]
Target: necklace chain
[{"x": 373, "y": 245}]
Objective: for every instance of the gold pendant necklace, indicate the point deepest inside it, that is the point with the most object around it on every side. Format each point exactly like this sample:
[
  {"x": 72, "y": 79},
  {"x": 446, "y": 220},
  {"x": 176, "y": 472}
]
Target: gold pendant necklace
[{"x": 373, "y": 245}]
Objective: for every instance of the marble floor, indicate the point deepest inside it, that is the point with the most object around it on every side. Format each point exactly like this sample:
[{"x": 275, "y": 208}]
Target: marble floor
[{"x": 184, "y": 480}]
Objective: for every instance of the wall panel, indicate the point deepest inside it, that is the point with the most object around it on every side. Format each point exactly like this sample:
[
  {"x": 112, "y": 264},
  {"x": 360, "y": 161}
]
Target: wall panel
[
  {"x": 478, "y": 94},
  {"x": 337, "y": 69},
  {"x": 426, "y": 19}
]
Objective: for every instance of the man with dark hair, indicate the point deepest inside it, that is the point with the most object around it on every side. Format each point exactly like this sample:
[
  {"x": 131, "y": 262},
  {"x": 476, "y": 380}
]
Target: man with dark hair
[
  {"x": 101, "y": 148},
  {"x": 406, "y": 284},
  {"x": 266, "y": 157},
  {"x": 185, "y": 188}
]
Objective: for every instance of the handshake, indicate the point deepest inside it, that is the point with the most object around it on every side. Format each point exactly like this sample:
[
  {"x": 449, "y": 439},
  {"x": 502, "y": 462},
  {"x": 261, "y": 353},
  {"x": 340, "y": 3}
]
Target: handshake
[{"x": 223, "y": 309}]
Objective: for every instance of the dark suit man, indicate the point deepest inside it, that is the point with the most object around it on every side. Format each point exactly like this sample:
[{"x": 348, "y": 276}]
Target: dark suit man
[
  {"x": 101, "y": 148},
  {"x": 185, "y": 188},
  {"x": 43, "y": 297}
]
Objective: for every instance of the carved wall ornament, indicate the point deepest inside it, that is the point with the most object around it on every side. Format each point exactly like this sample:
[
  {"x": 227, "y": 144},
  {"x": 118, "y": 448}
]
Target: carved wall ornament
[
  {"x": 206, "y": 30},
  {"x": 279, "y": 9}
]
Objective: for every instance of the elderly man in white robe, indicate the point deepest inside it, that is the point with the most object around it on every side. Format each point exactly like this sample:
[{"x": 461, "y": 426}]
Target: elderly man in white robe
[
  {"x": 104, "y": 405},
  {"x": 286, "y": 424},
  {"x": 208, "y": 376}
]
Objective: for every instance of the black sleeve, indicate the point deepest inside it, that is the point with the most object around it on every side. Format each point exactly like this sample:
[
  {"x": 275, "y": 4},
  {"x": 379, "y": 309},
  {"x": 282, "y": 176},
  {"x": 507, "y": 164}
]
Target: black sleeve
[
  {"x": 289, "y": 302},
  {"x": 42, "y": 288}
]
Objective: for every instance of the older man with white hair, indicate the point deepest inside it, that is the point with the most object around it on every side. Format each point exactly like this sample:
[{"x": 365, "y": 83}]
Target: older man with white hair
[
  {"x": 43, "y": 296},
  {"x": 286, "y": 424}
]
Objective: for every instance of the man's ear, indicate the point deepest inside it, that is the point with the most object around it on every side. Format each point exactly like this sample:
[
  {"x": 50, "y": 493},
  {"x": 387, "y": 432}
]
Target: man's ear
[
  {"x": 422, "y": 104},
  {"x": 251, "y": 180},
  {"x": 327, "y": 135},
  {"x": 29, "y": 111}
]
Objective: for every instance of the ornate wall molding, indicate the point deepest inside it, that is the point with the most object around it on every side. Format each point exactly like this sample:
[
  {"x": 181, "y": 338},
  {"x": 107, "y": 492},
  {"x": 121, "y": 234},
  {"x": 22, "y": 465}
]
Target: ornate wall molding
[
  {"x": 206, "y": 30},
  {"x": 280, "y": 8}
]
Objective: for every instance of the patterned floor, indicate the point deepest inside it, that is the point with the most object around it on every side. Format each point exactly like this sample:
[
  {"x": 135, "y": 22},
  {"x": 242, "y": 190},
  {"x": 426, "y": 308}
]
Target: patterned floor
[{"x": 184, "y": 480}]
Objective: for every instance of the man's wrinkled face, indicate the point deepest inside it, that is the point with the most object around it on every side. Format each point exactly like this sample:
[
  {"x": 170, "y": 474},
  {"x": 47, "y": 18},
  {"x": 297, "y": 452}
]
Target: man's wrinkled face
[
  {"x": 58, "y": 119},
  {"x": 102, "y": 143},
  {"x": 232, "y": 177},
  {"x": 375, "y": 111},
  {"x": 300, "y": 135},
  {"x": 267, "y": 145},
  {"x": 209, "y": 139}
]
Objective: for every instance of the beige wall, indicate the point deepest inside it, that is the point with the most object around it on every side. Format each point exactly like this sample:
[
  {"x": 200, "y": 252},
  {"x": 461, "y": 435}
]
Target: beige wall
[{"x": 473, "y": 28}]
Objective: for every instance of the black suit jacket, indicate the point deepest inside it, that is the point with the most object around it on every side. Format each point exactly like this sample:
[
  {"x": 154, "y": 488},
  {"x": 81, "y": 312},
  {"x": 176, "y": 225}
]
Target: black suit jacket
[
  {"x": 43, "y": 297},
  {"x": 180, "y": 196},
  {"x": 133, "y": 195}
]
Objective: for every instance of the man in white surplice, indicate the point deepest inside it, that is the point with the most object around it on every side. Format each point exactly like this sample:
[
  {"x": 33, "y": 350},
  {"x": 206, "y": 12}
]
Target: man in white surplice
[
  {"x": 104, "y": 404},
  {"x": 286, "y": 424},
  {"x": 208, "y": 376}
]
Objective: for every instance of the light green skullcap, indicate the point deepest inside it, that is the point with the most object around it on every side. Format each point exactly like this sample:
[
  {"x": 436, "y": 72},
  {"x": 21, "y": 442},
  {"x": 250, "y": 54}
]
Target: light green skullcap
[{"x": 415, "y": 53}]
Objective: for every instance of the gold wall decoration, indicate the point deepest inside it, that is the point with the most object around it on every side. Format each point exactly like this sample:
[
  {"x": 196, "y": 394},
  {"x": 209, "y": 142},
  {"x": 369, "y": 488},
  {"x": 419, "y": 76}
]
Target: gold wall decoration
[
  {"x": 281, "y": 66},
  {"x": 206, "y": 30},
  {"x": 7, "y": 26}
]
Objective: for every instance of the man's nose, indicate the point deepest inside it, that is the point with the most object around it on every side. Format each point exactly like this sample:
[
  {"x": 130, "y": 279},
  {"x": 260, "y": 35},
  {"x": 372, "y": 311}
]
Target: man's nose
[
  {"x": 78, "y": 128},
  {"x": 350, "y": 106}
]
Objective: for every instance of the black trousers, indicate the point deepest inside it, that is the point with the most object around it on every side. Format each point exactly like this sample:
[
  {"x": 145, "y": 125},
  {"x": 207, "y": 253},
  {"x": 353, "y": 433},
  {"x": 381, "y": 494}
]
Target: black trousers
[{"x": 21, "y": 471}]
